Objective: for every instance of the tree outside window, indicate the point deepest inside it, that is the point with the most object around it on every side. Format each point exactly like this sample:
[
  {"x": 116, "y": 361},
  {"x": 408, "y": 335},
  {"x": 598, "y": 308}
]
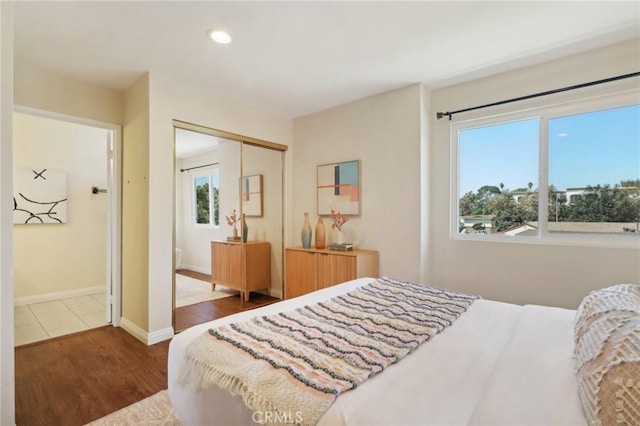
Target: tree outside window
[
  {"x": 592, "y": 174},
  {"x": 206, "y": 197}
]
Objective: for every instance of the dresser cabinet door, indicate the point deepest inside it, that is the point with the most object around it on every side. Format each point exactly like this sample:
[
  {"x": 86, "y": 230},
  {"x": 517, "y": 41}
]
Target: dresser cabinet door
[
  {"x": 301, "y": 273},
  {"x": 219, "y": 263},
  {"x": 334, "y": 269}
]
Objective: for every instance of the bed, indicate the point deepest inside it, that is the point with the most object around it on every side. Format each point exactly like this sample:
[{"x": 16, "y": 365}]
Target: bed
[{"x": 497, "y": 364}]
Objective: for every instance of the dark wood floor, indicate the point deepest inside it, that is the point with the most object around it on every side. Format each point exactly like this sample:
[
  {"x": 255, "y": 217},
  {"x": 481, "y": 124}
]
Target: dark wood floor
[
  {"x": 73, "y": 380},
  {"x": 198, "y": 313}
]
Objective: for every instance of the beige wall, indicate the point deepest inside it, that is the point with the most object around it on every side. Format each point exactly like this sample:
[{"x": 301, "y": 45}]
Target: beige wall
[
  {"x": 7, "y": 381},
  {"x": 45, "y": 90},
  {"x": 194, "y": 240},
  {"x": 172, "y": 99},
  {"x": 268, "y": 227},
  {"x": 69, "y": 256},
  {"x": 146, "y": 111},
  {"x": 384, "y": 133},
  {"x": 524, "y": 273},
  {"x": 135, "y": 205}
]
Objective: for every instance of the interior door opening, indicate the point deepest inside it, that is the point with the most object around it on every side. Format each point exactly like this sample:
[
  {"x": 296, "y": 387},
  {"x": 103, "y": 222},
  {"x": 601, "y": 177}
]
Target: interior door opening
[{"x": 66, "y": 224}]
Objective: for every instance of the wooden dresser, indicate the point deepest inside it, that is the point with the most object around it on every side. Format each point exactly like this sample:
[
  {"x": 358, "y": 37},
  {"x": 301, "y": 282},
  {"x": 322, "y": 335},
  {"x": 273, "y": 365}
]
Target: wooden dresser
[
  {"x": 243, "y": 267},
  {"x": 311, "y": 269}
]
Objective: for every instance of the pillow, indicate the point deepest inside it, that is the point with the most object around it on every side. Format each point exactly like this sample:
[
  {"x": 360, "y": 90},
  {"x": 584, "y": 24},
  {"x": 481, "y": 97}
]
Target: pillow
[
  {"x": 617, "y": 298},
  {"x": 607, "y": 353}
]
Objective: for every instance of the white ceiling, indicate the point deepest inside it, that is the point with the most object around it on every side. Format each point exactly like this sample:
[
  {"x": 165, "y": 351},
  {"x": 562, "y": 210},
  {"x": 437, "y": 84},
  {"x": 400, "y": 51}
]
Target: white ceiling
[
  {"x": 296, "y": 58},
  {"x": 189, "y": 144}
]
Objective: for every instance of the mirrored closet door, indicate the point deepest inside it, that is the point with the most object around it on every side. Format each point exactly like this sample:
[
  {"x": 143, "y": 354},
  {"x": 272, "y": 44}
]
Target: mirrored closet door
[{"x": 228, "y": 228}]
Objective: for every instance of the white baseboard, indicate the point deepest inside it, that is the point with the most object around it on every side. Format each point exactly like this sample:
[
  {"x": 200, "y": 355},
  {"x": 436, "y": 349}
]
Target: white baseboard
[
  {"x": 145, "y": 337},
  {"x": 134, "y": 330},
  {"x": 160, "y": 336},
  {"x": 196, "y": 269},
  {"x": 48, "y": 297}
]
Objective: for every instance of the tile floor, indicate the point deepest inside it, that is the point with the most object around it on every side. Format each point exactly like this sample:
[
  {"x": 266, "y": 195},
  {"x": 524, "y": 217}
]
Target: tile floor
[{"x": 40, "y": 321}]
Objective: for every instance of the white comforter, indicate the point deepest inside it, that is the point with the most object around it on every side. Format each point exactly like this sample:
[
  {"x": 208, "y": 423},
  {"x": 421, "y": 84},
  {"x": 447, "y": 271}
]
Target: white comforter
[{"x": 499, "y": 364}]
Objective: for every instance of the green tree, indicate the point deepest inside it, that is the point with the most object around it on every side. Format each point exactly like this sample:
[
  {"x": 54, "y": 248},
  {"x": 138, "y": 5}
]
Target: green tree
[
  {"x": 508, "y": 212},
  {"x": 557, "y": 209},
  {"x": 478, "y": 203},
  {"x": 468, "y": 203},
  {"x": 601, "y": 203},
  {"x": 216, "y": 206},
  {"x": 630, "y": 183},
  {"x": 202, "y": 203}
]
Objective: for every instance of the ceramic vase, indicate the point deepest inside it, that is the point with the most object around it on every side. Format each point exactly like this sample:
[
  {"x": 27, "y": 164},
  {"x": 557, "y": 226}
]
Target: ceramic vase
[
  {"x": 320, "y": 234},
  {"x": 245, "y": 229},
  {"x": 235, "y": 232},
  {"x": 339, "y": 236},
  {"x": 306, "y": 232}
]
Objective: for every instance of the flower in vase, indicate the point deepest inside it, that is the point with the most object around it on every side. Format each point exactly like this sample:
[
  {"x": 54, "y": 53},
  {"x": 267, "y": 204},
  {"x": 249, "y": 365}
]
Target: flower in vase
[
  {"x": 232, "y": 219},
  {"x": 337, "y": 220}
]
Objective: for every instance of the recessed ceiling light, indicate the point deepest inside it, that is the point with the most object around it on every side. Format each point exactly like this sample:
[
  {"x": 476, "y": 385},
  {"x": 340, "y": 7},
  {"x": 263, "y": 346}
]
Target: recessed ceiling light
[{"x": 219, "y": 36}]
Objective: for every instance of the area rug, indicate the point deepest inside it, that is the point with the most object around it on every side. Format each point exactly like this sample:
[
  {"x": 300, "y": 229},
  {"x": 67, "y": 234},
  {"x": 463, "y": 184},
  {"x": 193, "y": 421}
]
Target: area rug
[
  {"x": 190, "y": 290},
  {"x": 155, "y": 410}
]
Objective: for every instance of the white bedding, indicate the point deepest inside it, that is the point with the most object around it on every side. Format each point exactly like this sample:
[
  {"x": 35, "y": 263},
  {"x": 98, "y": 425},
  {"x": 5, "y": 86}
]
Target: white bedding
[{"x": 497, "y": 364}]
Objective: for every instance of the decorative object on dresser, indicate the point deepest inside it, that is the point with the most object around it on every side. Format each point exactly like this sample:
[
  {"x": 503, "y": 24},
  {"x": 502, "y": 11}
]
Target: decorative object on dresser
[
  {"x": 320, "y": 234},
  {"x": 306, "y": 231},
  {"x": 341, "y": 247},
  {"x": 245, "y": 229},
  {"x": 232, "y": 220},
  {"x": 337, "y": 222},
  {"x": 339, "y": 186},
  {"x": 244, "y": 267},
  {"x": 307, "y": 270}
]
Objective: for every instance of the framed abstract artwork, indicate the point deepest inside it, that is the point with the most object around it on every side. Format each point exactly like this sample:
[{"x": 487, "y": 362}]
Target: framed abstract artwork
[
  {"x": 252, "y": 195},
  {"x": 339, "y": 188},
  {"x": 39, "y": 196}
]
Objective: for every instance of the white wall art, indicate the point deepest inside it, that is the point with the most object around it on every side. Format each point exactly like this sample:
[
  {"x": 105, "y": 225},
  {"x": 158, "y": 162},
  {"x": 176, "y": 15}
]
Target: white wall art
[{"x": 39, "y": 196}]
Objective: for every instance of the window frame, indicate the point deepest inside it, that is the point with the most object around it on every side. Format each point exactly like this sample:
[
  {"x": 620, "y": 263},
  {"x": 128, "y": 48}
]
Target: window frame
[
  {"x": 543, "y": 114},
  {"x": 208, "y": 173}
]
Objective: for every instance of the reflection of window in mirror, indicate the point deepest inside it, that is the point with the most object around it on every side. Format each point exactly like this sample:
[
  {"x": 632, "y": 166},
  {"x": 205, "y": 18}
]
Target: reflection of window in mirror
[{"x": 205, "y": 198}]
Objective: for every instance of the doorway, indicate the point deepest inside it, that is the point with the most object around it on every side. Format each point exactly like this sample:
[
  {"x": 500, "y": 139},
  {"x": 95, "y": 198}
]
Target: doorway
[{"x": 66, "y": 225}]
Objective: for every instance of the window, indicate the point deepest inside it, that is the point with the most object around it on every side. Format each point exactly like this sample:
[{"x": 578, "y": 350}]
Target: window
[
  {"x": 569, "y": 170},
  {"x": 205, "y": 199}
]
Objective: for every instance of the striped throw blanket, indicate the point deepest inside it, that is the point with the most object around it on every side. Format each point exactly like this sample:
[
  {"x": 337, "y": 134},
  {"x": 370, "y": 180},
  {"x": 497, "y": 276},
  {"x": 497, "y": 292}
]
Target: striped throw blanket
[{"x": 296, "y": 363}]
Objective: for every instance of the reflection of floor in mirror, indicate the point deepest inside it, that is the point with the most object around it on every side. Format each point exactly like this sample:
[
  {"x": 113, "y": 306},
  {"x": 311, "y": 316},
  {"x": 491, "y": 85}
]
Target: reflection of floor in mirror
[
  {"x": 190, "y": 315},
  {"x": 192, "y": 290}
]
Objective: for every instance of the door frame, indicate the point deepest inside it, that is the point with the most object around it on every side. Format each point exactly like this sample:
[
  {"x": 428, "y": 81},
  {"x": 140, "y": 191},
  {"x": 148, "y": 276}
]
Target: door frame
[{"x": 114, "y": 204}]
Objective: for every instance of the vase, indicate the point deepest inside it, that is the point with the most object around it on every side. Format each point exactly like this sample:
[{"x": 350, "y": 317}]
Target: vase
[
  {"x": 320, "y": 234},
  {"x": 306, "y": 232},
  {"x": 339, "y": 237},
  {"x": 235, "y": 232},
  {"x": 245, "y": 229}
]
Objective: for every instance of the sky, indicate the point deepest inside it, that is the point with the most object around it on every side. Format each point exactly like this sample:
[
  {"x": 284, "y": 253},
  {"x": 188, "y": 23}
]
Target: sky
[{"x": 602, "y": 147}]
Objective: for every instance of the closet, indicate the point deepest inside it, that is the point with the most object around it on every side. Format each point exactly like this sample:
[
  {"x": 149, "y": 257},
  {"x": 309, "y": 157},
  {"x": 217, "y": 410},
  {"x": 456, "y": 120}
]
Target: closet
[{"x": 233, "y": 178}]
